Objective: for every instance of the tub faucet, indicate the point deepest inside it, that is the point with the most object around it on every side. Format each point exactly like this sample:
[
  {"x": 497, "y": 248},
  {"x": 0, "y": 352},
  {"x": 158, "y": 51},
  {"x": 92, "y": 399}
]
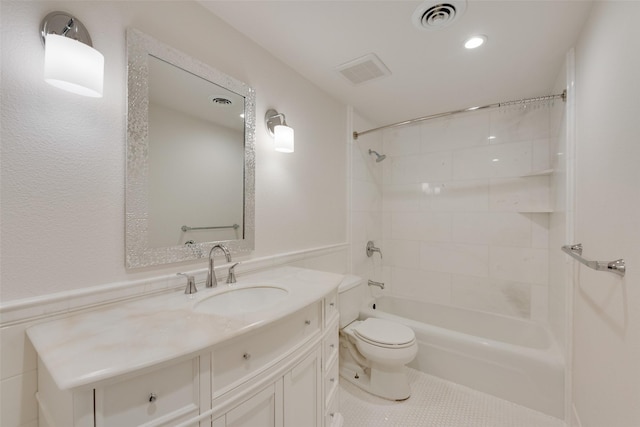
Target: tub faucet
[
  {"x": 378, "y": 284},
  {"x": 212, "y": 281},
  {"x": 371, "y": 249}
]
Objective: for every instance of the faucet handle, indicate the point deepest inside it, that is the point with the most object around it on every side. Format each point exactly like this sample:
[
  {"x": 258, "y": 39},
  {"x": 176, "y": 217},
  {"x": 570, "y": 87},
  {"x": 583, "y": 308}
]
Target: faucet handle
[
  {"x": 231, "y": 278},
  {"x": 371, "y": 248},
  {"x": 191, "y": 284}
]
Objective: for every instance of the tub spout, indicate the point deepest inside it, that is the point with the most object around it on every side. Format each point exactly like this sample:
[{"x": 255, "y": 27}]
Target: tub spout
[{"x": 378, "y": 284}]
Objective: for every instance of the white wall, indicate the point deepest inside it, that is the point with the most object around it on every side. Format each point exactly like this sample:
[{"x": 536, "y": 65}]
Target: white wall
[
  {"x": 63, "y": 155},
  {"x": 606, "y": 340}
]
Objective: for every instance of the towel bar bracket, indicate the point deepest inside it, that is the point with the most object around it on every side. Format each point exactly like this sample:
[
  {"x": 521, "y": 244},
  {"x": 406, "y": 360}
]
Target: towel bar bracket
[{"x": 575, "y": 251}]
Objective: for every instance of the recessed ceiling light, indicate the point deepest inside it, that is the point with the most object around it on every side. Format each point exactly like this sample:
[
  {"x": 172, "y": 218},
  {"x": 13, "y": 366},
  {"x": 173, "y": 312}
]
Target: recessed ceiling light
[{"x": 475, "y": 41}]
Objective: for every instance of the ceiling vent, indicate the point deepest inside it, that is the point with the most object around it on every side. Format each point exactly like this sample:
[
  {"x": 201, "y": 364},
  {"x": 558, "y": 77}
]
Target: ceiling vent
[
  {"x": 434, "y": 15},
  {"x": 363, "y": 69}
]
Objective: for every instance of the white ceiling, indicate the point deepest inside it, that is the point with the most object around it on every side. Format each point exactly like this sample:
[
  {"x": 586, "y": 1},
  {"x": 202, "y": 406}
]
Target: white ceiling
[{"x": 431, "y": 70}]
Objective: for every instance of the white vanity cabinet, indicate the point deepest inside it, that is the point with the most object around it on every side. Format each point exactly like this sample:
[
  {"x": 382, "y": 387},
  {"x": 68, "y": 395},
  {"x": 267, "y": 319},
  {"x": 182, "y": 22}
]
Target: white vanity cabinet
[{"x": 282, "y": 373}]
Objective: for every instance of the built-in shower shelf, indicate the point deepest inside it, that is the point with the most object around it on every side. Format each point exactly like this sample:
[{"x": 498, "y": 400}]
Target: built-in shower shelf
[{"x": 540, "y": 173}]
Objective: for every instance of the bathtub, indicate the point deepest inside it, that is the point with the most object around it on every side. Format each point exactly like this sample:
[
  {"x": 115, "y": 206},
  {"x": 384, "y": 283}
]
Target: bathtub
[{"x": 512, "y": 359}]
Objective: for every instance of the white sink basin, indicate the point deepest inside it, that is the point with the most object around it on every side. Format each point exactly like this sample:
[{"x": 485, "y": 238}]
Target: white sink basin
[{"x": 242, "y": 300}]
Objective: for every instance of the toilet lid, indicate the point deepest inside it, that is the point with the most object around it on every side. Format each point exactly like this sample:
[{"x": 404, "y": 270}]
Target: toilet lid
[{"x": 385, "y": 332}]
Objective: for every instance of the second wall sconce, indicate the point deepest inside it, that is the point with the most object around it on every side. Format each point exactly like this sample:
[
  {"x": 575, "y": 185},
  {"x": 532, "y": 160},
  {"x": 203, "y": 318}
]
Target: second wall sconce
[
  {"x": 278, "y": 129},
  {"x": 70, "y": 61}
]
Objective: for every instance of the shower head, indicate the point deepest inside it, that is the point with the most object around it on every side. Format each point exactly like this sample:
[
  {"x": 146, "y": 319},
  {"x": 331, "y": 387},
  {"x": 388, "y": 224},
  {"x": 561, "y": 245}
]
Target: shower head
[{"x": 379, "y": 157}]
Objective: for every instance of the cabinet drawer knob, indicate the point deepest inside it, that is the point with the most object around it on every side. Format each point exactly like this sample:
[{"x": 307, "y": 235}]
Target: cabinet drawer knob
[
  {"x": 307, "y": 322},
  {"x": 332, "y": 304},
  {"x": 332, "y": 380},
  {"x": 153, "y": 397},
  {"x": 332, "y": 346},
  {"x": 246, "y": 356}
]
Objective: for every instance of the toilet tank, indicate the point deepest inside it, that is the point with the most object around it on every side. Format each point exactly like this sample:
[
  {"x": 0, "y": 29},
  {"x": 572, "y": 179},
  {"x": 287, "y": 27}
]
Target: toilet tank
[{"x": 351, "y": 295}]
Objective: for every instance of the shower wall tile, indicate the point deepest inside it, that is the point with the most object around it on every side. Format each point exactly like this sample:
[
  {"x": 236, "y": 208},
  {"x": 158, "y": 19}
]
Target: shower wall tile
[
  {"x": 401, "y": 198},
  {"x": 423, "y": 226},
  {"x": 365, "y": 196},
  {"x": 452, "y": 258},
  {"x": 401, "y": 141},
  {"x": 530, "y": 194},
  {"x": 432, "y": 167},
  {"x": 422, "y": 285},
  {"x": 519, "y": 264},
  {"x": 493, "y": 161},
  {"x": 540, "y": 227},
  {"x": 539, "y": 303},
  {"x": 519, "y": 124},
  {"x": 496, "y": 296},
  {"x": 454, "y": 133},
  {"x": 541, "y": 155},
  {"x": 501, "y": 229},
  {"x": 366, "y": 226},
  {"x": 457, "y": 227},
  {"x": 404, "y": 253},
  {"x": 459, "y": 196}
]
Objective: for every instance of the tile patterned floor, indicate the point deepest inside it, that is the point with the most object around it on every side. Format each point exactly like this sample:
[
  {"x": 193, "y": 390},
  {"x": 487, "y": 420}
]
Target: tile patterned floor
[{"x": 439, "y": 403}]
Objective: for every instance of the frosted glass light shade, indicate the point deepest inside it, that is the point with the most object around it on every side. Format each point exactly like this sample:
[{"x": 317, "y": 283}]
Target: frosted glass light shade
[
  {"x": 283, "y": 138},
  {"x": 73, "y": 66}
]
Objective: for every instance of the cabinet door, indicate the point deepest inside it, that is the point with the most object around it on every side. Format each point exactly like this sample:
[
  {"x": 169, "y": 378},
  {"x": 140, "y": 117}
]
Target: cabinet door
[
  {"x": 302, "y": 393},
  {"x": 263, "y": 409}
]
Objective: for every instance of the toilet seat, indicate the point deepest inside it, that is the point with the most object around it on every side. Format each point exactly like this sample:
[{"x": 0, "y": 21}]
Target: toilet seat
[{"x": 384, "y": 333}]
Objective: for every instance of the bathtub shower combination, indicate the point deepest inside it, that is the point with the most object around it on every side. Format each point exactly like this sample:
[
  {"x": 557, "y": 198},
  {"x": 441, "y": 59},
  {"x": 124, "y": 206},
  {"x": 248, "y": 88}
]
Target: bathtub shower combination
[{"x": 510, "y": 358}]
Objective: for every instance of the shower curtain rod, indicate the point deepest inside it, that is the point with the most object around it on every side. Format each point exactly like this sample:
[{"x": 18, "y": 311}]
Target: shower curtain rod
[{"x": 562, "y": 96}]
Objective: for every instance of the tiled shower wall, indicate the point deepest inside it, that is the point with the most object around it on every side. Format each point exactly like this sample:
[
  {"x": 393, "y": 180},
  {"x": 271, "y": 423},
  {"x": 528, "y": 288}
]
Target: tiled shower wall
[{"x": 465, "y": 207}]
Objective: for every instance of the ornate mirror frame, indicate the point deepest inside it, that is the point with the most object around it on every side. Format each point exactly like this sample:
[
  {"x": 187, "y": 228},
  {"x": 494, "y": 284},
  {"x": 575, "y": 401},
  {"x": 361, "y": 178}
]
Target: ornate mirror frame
[{"x": 138, "y": 251}]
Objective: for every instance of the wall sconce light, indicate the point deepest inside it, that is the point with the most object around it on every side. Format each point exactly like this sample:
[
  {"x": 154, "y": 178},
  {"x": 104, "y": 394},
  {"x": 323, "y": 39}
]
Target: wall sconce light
[
  {"x": 70, "y": 61},
  {"x": 278, "y": 129}
]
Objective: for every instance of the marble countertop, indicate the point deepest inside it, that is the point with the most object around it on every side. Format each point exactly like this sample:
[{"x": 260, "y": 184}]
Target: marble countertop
[{"x": 86, "y": 348}]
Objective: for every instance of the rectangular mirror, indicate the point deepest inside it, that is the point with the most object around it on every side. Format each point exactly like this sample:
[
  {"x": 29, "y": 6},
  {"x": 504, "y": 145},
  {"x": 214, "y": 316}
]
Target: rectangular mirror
[{"x": 190, "y": 157}]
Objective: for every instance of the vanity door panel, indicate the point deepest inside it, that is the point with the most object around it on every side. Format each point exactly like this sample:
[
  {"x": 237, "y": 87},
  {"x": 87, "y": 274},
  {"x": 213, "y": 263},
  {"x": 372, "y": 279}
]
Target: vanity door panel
[
  {"x": 302, "y": 393},
  {"x": 263, "y": 409}
]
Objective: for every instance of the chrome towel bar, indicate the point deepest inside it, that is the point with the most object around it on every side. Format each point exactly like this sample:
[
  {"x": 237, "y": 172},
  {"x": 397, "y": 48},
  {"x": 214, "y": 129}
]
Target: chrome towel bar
[
  {"x": 575, "y": 251},
  {"x": 187, "y": 228}
]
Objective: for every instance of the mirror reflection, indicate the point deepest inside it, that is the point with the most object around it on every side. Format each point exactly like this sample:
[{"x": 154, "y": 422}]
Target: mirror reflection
[{"x": 196, "y": 158}]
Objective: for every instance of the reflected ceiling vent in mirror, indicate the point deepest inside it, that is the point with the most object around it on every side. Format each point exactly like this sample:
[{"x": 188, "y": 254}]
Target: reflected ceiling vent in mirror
[
  {"x": 363, "y": 69},
  {"x": 218, "y": 100},
  {"x": 434, "y": 15}
]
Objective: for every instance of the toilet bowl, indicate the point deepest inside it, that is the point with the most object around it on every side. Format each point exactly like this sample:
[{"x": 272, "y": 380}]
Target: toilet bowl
[{"x": 373, "y": 352}]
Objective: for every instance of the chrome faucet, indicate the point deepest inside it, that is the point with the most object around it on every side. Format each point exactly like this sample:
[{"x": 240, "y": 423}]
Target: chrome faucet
[{"x": 212, "y": 281}]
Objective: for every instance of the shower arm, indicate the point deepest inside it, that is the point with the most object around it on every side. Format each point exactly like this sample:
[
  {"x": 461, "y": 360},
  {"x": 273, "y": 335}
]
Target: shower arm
[{"x": 524, "y": 101}]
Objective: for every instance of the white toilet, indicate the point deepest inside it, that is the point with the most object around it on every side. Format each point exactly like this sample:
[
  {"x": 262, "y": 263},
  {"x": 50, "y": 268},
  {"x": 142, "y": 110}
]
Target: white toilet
[{"x": 373, "y": 352}]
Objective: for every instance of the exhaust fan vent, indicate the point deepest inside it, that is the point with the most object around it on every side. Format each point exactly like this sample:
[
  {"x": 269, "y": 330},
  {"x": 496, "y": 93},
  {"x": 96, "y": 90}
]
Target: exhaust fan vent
[
  {"x": 363, "y": 69},
  {"x": 433, "y": 15}
]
